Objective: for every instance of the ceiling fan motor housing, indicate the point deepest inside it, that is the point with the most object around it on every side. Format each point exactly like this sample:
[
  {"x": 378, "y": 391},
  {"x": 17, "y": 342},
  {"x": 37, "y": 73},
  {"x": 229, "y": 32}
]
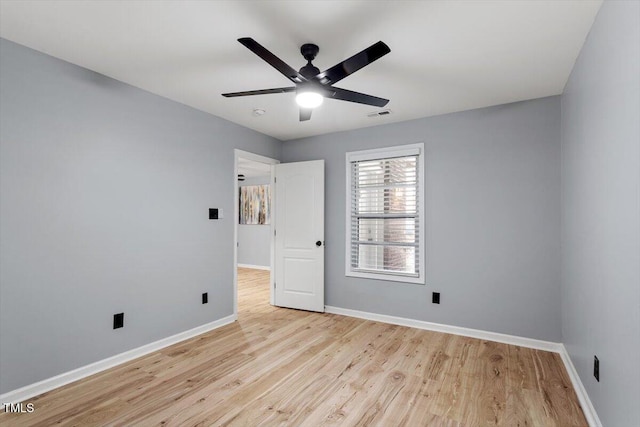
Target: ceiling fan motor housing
[{"x": 309, "y": 51}]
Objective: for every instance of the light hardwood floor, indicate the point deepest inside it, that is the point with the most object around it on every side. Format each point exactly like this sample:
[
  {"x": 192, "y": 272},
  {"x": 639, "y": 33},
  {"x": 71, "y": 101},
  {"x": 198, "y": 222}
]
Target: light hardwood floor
[{"x": 287, "y": 367}]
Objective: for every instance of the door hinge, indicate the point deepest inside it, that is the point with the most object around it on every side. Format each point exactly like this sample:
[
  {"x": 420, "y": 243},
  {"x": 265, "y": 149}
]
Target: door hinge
[
  {"x": 275, "y": 179},
  {"x": 274, "y": 231},
  {"x": 274, "y": 285}
]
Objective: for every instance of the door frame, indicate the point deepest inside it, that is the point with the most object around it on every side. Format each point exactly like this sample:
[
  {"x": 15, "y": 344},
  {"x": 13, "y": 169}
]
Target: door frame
[{"x": 240, "y": 154}]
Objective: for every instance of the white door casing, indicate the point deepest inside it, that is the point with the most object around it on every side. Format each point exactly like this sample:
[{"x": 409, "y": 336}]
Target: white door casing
[{"x": 299, "y": 235}]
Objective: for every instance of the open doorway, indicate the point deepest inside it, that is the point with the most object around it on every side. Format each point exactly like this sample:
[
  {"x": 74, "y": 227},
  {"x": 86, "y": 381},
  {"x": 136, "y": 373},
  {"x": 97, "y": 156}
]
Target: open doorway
[{"x": 253, "y": 230}]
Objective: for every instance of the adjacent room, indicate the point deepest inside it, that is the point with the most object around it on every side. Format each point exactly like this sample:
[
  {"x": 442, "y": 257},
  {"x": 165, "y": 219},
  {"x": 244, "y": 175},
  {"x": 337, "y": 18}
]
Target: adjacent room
[{"x": 416, "y": 213}]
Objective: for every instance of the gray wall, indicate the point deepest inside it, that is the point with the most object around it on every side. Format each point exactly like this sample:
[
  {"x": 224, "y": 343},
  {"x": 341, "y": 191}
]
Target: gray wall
[
  {"x": 254, "y": 241},
  {"x": 105, "y": 191},
  {"x": 492, "y": 216},
  {"x": 601, "y": 213}
]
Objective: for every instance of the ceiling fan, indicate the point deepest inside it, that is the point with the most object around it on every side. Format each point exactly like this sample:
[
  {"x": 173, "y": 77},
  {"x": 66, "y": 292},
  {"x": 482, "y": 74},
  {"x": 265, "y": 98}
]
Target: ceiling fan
[{"x": 311, "y": 85}]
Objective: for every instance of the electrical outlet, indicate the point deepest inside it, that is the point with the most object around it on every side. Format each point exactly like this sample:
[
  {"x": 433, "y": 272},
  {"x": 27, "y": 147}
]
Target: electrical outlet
[
  {"x": 205, "y": 298},
  {"x": 118, "y": 320},
  {"x": 596, "y": 368},
  {"x": 435, "y": 298}
]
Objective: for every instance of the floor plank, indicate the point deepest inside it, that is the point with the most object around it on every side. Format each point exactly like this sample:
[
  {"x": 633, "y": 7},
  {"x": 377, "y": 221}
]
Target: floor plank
[{"x": 287, "y": 367}]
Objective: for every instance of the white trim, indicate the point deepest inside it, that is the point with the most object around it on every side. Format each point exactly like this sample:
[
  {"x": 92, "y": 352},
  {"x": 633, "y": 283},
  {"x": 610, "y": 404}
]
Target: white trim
[
  {"x": 380, "y": 153},
  {"x": 237, "y": 154},
  {"x": 35, "y": 389},
  {"x": 272, "y": 247},
  {"x": 587, "y": 407},
  {"x": 390, "y": 277},
  {"x": 255, "y": 267},
  {"x": 448, "y": 329},
  {"x": 386, "y": 152}
]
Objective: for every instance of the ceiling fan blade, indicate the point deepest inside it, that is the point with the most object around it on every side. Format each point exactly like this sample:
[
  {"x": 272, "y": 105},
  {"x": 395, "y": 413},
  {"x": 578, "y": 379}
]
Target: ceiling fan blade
[
  {"x": 360, "y": 98},
  {"x": 273, "y": 60},
  {"x": 260, "y": 92},
  {"x": 353, "y": 64},
  {"x": 305, "y": 114}
]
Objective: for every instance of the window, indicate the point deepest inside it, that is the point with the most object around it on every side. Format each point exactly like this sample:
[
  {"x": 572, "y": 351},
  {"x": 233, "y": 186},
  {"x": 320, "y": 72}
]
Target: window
[{"x": 385, "y": 219}]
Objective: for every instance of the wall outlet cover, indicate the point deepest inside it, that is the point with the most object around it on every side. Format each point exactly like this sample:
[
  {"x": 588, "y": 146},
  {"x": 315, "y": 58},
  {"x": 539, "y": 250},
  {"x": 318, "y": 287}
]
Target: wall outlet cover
[
  {"x": 435, "y": 298},
  {"x": 118, "y": 321}
]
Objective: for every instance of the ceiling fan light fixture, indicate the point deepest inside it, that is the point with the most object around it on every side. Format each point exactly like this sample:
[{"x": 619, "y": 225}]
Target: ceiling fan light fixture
[
  {"x": 310, "y": 84},
  {"x": 309, "y": 99}
]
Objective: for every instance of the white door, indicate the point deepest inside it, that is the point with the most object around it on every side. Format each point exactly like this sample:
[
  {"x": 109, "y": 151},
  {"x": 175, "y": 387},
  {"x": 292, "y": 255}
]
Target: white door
[{"x": 299, "y": 235}]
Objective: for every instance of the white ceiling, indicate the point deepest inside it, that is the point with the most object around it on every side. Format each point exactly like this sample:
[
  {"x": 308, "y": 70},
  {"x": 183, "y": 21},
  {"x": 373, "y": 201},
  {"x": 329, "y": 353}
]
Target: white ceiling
[{"x": 445, "y": 56}]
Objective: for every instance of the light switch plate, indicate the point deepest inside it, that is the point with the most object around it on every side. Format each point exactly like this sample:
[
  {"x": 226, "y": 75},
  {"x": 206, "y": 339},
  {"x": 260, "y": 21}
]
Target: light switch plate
[{"x": 215, "y": 213}]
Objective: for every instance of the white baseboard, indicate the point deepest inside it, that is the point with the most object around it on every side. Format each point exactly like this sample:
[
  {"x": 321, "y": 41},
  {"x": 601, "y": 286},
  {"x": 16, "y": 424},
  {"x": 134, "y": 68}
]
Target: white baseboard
[
  {"x": 587, "y": 407},
  {"x": 256, "y": 267},
  {"x": 32, "y": 390},
  {"x": 448, "y": 329}
]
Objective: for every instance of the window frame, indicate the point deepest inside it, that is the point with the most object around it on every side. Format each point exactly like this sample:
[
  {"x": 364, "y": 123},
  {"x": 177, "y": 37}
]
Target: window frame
[{"x": 385, "y": 153}]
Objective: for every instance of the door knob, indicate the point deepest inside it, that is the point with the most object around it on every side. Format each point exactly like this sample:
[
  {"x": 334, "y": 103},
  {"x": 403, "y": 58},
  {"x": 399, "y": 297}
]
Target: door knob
[{"x": 318, "y": 243}]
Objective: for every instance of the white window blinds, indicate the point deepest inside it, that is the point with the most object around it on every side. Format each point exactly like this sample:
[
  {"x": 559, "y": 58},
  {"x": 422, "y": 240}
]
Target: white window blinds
[{"x": 385, "y": 215}]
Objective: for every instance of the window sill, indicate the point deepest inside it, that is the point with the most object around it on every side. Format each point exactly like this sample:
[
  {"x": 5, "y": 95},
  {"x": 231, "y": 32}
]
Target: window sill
[{"x": 386, "y": 277}]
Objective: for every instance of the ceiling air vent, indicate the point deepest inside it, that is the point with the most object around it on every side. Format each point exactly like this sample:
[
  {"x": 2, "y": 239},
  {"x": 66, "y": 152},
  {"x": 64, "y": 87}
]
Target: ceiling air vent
[{"x": 379, "y": 113}]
